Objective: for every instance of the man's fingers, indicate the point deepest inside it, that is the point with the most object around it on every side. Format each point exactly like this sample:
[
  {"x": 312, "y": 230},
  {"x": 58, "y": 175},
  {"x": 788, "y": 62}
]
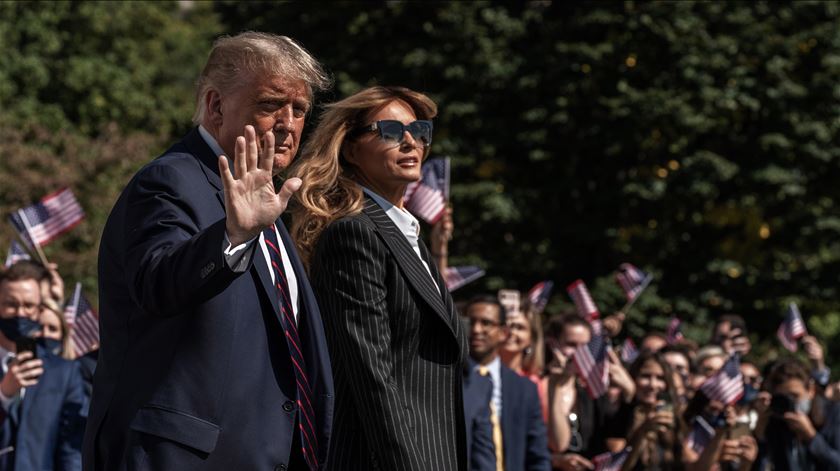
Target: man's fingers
[
  {"x": 581, "y": 461},
  {"x": 240, "y": 165},
  {"x": 224, "y": 171},
  {"x": 251, "y": 148},
  {"x": 266, "y": 161},
  {"x": 23, "y": 356},
  {"x": 31, "y": 374},
  {"x": 289, "y": 188}
]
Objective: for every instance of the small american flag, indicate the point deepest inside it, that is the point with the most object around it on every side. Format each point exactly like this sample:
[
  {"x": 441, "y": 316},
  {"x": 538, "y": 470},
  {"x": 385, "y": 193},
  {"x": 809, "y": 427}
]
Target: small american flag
[
  {"x": 83, "y": 322},
  {"x": 792, "y": 328},
  {"x": 16, "y": 254},
  {"x": 538, "y": 295},
  {"x": 700, "y": 435},
  {"x": 584, "y": 304},
  {"x": 427, "y": 198},
  {"x": 611, "y": 461},
  {"x": 629, "y": 352},
  {"x": 456, "y": 277},
  {"x": 674, "y": 332},
  {"x": 40, "y": 223},
  {"x": 591, "y": 364},
  {"x": 632, "y": 280},
  {"x": 727, "y": 385}
]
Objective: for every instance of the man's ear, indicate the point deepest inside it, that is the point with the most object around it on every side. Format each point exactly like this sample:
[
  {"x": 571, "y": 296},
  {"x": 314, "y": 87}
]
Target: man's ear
[{"x": 213, "y": 104}]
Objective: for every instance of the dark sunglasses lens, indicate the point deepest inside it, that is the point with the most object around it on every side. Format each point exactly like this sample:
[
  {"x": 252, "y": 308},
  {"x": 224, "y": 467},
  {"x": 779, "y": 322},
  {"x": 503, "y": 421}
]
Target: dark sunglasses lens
[
  {"x": 391, "y": 130},
  {"x": 421, "y": 131}
]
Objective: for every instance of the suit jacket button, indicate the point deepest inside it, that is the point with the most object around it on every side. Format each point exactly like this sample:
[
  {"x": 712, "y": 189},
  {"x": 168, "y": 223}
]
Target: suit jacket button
[
  {"x": 207, "y": 269},
  {"x": 280, "y": 467},
  {"x": 288, "y": 406}
]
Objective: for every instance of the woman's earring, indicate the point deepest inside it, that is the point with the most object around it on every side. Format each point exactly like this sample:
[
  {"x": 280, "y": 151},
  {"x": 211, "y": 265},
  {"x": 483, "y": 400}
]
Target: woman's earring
[{"x": 528, "y": 351}]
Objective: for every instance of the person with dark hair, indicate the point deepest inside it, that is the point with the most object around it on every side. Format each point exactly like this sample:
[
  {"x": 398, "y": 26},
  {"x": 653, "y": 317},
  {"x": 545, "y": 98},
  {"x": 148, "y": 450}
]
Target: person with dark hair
[
  {"x": 41, "y": 394},
  {"x": 730, "y": 333},
  {"x": 653, "y": 342},
  {"x": 518, "y": 427},
  {"x": 798, "y": 429},
  {"x": 213, "y": 354},
  {"x": 650, "y": 424},
  {"x": 576, "y": 421}
]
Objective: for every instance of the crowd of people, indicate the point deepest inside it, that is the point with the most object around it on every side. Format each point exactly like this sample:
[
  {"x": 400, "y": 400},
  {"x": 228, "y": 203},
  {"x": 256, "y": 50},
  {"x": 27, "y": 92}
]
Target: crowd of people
[{"x": 230, "y": 342}]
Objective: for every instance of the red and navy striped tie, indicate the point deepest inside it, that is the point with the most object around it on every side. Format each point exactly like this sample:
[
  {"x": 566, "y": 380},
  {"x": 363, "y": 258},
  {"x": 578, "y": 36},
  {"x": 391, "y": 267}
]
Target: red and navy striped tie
[{"x": 309, "y": 442}]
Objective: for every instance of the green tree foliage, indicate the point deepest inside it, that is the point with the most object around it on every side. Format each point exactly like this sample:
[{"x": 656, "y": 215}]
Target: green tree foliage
[{"x": 696, "y": 140}]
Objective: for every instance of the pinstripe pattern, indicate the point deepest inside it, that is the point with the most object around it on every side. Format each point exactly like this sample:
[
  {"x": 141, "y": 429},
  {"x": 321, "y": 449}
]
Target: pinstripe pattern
[{"x": 397, "y": 349}]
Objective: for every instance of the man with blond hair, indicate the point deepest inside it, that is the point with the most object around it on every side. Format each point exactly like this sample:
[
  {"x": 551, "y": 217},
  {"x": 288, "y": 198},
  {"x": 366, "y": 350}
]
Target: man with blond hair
[{"x": 212, "y": 348}]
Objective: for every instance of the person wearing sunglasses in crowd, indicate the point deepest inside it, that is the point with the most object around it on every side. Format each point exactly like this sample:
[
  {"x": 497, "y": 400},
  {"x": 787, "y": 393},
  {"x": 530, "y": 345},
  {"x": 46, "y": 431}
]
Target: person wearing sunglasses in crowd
[{"x": 396, "y": 342}]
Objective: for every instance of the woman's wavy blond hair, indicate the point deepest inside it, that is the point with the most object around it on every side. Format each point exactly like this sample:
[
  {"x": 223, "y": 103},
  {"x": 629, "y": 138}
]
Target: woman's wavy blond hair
[{"x": 329, "y": 191}]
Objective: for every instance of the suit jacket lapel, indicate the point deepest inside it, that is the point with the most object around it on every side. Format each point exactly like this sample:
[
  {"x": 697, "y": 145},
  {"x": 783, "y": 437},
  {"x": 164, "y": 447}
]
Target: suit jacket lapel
[{"x": 408, "y": 261}]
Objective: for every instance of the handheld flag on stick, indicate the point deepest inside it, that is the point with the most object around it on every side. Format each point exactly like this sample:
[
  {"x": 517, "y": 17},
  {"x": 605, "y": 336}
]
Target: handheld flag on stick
[
  {"x": 83, "y": 323},
  {"x": 592, "y": 365},
  {"x": 727, "y": 385},
  {"x": 611, "y": 461},
  {"x": 633, "y": 281},
  {"x": 674, "y": 333},
  {"x": 584, "y": 304},
  {"x": 538, "y": 295},
  {"x": 16, "y": 254},
  {"x": 792, "y": 328},
  {"x": 700, "y": 435},
  {"x": 40, "y": 223},
  {"x": 629, "y": 352},
  {"x": 456, "y": 277},
  {"x": 427, "y": 198}
]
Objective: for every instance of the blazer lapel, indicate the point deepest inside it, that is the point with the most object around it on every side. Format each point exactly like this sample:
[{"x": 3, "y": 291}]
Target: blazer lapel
[{"x": 408, "y": 261}]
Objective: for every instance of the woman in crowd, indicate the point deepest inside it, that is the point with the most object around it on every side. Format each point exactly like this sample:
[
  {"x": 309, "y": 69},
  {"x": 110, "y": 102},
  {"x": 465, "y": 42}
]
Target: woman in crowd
[
  {"x": 55, "y": 333},
  {"x": 523, "y": 351},
  {"x": 396, "y": 345},
  {"x": 797, "y": 428},
  {"x": 650, "y": 424}
]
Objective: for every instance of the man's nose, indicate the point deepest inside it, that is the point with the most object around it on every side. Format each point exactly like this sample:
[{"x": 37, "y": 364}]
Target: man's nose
[{"x": 284, "y": 120}]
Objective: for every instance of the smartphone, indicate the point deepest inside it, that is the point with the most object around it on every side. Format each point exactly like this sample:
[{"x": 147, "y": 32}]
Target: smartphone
[
  {"x": 26, "y": 344},
  {"x": 780, "y": 404},
  {"x": 740, "y": 429},
  {"x": 509, "y": 298}
]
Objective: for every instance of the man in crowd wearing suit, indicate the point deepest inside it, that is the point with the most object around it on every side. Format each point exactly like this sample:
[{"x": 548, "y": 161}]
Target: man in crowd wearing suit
[
  {"x": 40, "y": 398},
  {"x": 519, "y": 433},
  {"x": 212, "y": 349},
  {"x": 478, "y": 392}
]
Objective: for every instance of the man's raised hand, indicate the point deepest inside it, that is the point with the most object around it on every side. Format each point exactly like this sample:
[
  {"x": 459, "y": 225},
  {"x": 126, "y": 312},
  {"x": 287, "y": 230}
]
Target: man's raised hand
[{"x": 251, "y": 202}]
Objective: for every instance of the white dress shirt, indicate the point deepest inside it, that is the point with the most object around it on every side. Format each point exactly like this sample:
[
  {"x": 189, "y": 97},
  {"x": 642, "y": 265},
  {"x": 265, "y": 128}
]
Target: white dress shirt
[
  {"x": 240, "y": 256},
  {"x": 495, "y": 370},
  {"x": 406, "y": 223}
]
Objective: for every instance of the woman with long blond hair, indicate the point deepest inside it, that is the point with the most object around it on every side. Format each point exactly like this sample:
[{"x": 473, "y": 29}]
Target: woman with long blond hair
[{"x": 396, "y": 345}]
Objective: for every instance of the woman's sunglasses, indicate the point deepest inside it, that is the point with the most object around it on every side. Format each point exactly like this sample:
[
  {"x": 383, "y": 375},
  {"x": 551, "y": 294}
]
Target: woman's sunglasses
[{"x": 391, "y": 130}]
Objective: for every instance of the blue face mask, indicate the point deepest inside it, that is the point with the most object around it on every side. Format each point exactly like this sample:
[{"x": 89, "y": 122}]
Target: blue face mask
[
  {"x": 51, "y": 345},
  {"x": 16, "y": 327}
]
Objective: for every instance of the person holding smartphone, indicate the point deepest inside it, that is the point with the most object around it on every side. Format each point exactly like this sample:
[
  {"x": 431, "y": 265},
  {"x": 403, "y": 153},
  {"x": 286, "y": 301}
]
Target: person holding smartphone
[
  {"x": 798, "y": 429},
  {"x": 41, "y": 394}
]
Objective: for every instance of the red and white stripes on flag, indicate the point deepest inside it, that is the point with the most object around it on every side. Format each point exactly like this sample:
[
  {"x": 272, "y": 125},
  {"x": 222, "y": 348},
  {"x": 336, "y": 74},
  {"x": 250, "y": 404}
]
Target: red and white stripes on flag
[
  {"x": 632, "y": 280},
  {"x": 584, "y": 304},
  {"x": 427, "y": 198},
  {"x": 792, "y": 328},
  {"x": 42, "y": 222},
  {"x": 83, "y": 322},
  {"x": 539, "y": 295},
  {"x": 592, "y": 365},
  {"x": 456, "y": 277},
  {"x": 629, "y": 352},
  {"x": 727, "y": 385},
  {"x": 674, "y": 332}
]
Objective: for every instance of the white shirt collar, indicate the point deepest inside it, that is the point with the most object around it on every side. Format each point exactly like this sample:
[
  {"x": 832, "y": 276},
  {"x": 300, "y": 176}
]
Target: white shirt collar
[
  {"x": 211, "y": 141},
  {"x": 404, "y": 220}
]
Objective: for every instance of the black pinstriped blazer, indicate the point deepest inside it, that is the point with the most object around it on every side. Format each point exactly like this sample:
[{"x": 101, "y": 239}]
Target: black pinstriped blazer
[{"x": 397, "y": 349}]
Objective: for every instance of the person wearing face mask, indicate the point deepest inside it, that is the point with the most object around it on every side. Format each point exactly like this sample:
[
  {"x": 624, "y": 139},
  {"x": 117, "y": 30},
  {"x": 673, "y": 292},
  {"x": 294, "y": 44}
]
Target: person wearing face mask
[
  {"x": 41, "y": 394},
  {"x": 798, "y": 430},
  {"x": 55, "y": 334}
]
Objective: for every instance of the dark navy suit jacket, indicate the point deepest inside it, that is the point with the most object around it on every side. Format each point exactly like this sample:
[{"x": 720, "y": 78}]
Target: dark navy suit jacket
[
  {"x": 524, "y": 435},
  {"x": 478, "y": 392},
  {"x": 46, "y": 426},
  {"x": 194, "y": 370}
]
